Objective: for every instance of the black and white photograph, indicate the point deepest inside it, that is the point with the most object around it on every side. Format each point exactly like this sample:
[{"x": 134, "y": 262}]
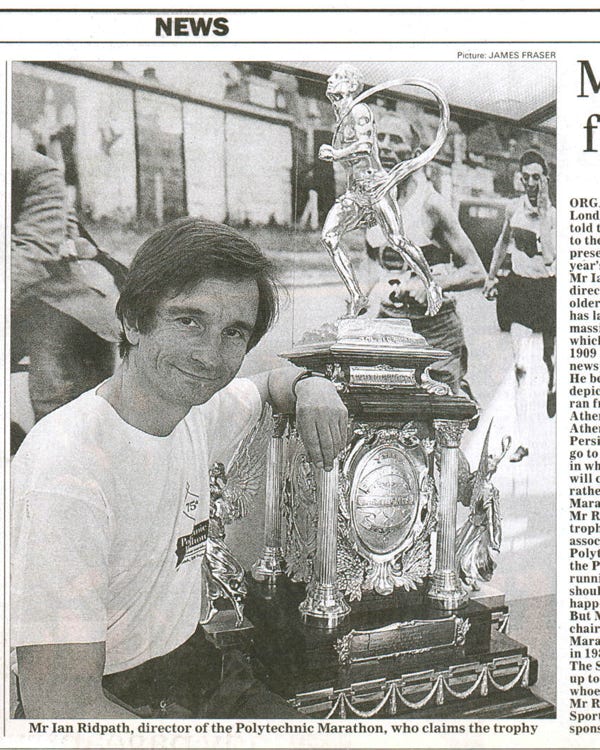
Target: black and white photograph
[{"x": 283, "y": 390}]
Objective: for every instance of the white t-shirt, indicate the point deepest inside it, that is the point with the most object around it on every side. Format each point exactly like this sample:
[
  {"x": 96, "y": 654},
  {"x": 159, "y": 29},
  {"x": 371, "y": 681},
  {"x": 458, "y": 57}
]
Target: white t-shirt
[{"x": 110, "y": 525}]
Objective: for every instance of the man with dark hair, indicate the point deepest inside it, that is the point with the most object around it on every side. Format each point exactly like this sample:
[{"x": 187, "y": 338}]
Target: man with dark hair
[
  {"x": 529, "y": 235},
  {"x": 183, "y": 252},
  {"x": 111, "y": 492}
]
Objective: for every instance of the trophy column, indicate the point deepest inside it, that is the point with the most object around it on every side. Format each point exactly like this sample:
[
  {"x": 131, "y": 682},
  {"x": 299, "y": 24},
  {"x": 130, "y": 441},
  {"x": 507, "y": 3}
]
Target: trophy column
[
  {"x": 270, "y": 563},
  {"x": 446, "y": 591},
  {"x": 324, "y": 605}
]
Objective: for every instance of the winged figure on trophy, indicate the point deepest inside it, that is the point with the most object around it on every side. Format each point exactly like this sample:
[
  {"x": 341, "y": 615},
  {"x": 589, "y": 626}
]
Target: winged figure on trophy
[
  {"x": 232, "y": 494},
  {"x": 479, "y": 538},
  {"x": 369, "y": 197}
]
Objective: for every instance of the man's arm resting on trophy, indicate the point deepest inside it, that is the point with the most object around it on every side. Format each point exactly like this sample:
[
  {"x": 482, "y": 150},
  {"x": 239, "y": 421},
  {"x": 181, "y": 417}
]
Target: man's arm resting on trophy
[
  {"x": 321, "y": 417},
  {"x": 64, "y": 681},
  {"x": 466, "y": 271}
]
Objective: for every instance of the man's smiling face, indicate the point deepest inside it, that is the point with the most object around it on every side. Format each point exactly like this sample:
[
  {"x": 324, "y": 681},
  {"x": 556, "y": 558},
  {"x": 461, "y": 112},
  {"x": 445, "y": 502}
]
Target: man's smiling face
[{"x": 197, "y": 341}]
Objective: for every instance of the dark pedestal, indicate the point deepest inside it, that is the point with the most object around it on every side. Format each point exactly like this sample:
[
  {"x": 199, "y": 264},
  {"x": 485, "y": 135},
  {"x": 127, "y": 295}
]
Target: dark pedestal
[{"x": 487, "y": 676}]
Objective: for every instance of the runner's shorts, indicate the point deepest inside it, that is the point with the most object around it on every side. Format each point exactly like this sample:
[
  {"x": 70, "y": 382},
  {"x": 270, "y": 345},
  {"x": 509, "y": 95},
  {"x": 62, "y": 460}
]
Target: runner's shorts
[{"x": 531, "y": 302}]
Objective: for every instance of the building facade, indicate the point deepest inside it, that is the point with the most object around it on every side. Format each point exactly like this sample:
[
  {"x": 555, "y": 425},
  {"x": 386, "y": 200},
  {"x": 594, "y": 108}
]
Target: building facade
[{"x": 147, "y": 142}]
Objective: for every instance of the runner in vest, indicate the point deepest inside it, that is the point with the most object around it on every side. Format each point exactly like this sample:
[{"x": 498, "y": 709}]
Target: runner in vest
[{"x": 529, "y": 235}]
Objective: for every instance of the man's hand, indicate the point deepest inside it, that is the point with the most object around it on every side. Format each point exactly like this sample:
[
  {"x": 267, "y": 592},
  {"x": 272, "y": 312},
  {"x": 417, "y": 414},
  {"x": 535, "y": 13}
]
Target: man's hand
[
  {"x": 326, "y": 152},
  {"x": 410, "y": 286},
  {"x": 490, "y": 288},
  {"x": 321, "y": 419}
]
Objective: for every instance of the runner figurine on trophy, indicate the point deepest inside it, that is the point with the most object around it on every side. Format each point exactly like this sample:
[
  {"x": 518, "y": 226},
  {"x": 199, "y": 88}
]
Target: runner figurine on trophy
[{"x": 369, "y": 198}]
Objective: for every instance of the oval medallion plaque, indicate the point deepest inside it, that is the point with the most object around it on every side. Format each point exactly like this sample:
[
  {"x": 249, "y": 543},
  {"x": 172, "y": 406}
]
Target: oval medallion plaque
[{"x": 384, "y": 499}]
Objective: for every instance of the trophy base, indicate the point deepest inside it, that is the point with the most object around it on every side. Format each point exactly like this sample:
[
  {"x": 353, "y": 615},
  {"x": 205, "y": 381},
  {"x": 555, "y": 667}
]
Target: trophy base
[
  {"x": 224, "y": 632},
  {"x": 448, "y": 600},
  {"x": 406, "y": 661},
  {"x": 381, "y": 343},
  {"x": 381, "y": 367}
]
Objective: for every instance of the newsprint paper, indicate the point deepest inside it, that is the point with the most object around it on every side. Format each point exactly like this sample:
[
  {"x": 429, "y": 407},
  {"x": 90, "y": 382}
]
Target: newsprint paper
[{"x": 426, "y": 184}]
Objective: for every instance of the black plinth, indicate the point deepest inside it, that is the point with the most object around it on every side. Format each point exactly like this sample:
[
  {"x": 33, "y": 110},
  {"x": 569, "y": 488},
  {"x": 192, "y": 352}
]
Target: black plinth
[
  {"x": 302, "y": 664},
  {"x": 359, "y": 352}
]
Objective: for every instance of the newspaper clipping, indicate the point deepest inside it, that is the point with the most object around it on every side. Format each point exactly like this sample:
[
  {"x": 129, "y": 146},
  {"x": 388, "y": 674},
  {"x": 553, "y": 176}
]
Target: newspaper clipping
[{"x": 302, "y": 420}]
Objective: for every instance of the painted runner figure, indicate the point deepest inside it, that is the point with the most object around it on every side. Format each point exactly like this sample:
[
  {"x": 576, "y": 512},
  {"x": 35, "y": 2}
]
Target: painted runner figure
[
  {"x": 368, "y": 200},
  {"x": 432, "y": 223}
]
